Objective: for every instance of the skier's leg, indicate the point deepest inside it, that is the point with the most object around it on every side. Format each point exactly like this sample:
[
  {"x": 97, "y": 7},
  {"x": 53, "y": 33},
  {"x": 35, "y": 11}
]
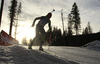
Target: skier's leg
[
  {"x": 31, "y": 43},
  {"x": 35, "y": 39},
  {"x": 41, "y": 48},
  {"x": 42, "y": 39}
]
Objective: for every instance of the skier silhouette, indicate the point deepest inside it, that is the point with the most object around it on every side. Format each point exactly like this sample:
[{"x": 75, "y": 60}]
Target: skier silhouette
[{"x": 40, "y": 32}]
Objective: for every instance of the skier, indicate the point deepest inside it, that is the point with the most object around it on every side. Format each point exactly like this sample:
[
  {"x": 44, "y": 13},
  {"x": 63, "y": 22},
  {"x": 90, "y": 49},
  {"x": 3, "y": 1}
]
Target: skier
[{"x": 40, "y": 32}]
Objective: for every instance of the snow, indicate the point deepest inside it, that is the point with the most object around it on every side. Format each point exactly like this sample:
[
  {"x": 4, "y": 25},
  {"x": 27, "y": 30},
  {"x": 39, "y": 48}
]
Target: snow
[
  {"x": 77, "y": 54},
  {"x": 95, "y": 45},
  {"x": 19, "y": 54}
]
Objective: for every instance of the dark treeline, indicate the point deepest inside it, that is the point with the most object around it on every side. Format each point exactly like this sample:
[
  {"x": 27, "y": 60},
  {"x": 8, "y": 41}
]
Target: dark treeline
[
  {"x": 73, "y": 36},
  {"x": 74, "y": 40},
  {"x": 59, "y": 39}
]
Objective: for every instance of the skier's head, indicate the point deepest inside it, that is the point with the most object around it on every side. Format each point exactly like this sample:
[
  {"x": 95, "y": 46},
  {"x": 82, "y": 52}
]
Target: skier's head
[{"x": 49, "y": 15}]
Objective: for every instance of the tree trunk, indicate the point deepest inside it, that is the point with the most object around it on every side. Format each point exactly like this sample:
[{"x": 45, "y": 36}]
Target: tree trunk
[{"x": 2, "y": 2}]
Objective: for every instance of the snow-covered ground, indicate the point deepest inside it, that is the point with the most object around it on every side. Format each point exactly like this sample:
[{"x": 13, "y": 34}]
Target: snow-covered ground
[
  {"x": 95, "y": 45},
  {"x": 19, "y": 54}
]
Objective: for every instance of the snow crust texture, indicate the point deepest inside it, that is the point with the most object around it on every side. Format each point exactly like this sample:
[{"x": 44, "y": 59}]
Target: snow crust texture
[{"x": 20, "y": 55}]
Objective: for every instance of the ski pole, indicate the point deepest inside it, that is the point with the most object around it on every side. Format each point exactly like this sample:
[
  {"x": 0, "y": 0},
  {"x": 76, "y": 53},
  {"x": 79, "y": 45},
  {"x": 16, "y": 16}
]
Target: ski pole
[{"x": 49, "y": 41}]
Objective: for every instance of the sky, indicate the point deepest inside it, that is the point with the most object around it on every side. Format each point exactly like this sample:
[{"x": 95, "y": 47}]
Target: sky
[{"x": 88, "y": 9}]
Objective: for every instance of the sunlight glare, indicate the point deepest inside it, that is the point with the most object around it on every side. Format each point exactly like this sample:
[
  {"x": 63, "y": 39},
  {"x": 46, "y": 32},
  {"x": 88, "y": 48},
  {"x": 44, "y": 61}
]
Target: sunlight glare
[{"x": 28, "y": 33}]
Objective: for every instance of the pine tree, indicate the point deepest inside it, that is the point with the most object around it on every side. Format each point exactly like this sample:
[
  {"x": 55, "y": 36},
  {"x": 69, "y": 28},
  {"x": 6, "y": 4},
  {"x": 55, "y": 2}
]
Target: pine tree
[
  {"x": 12, "y": 14},
  {"x": 16, "y": 22},
  {"x": 83, "y": 31},
  {"x": 56, "y": 36},
  {"x": 70, "y": 23},
  {"x": 86, "y": 31},
  {"x": 89, "y": 28},
  {"x": 76, "y": 18}
]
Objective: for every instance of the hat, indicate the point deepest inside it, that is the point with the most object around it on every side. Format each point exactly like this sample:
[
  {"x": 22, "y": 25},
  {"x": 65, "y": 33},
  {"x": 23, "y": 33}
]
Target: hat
[{"x": 49, "y": 15}]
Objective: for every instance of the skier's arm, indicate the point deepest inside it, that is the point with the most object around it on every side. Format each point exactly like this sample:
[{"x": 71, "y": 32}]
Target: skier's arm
[
  {"x": 35, "y": 20},
  {"x": 49, "y": 25}
]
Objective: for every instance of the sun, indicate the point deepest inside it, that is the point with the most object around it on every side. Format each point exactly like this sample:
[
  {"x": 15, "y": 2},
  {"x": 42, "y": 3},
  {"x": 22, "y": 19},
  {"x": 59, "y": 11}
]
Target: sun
[{"x": 28, "y": 33}]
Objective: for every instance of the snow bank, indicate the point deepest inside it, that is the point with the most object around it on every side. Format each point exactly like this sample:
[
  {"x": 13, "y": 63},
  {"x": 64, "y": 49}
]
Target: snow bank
[
  {"x": 6, "y": 39},
  {"x": 95, "y": 45}
]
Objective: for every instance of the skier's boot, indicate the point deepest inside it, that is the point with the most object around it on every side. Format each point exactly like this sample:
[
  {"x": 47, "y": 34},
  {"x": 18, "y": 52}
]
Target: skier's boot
[
  {"x": 41, "y": 46},
  {"x": 41, "y": 49},
  {"x": 30, "y": 47}
]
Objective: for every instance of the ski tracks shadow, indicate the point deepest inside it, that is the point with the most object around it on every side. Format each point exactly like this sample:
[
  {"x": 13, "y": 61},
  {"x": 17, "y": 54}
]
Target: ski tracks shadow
[{"x": 22, "y": 55}]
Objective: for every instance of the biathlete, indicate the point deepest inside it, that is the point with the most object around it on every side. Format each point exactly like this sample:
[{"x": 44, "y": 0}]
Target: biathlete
[{"x": 40, "y": 32}]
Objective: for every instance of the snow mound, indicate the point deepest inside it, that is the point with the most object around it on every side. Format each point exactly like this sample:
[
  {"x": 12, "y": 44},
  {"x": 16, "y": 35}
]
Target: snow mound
[{"x": 95, "y": 45}]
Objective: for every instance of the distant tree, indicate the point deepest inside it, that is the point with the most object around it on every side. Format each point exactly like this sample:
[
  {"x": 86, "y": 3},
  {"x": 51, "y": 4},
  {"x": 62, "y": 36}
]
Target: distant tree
[
  {"x": 70, "y": 23},
  {"x": 65, "y": 32},
  {"x": 76, "y": 18},
  {"x": 19, "y": 9},
  {"x": 88, "y": 29},
  {"x": 24, "y": 41},
  {"x": 62, "y": 20},
  {"x": 56, "y": 36},
  {"x": 83, "y": 31},
  {"x": 30, "y": 41},
  {"x": 12, "y": 14},
  {"x": 17, "y": 14}
]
